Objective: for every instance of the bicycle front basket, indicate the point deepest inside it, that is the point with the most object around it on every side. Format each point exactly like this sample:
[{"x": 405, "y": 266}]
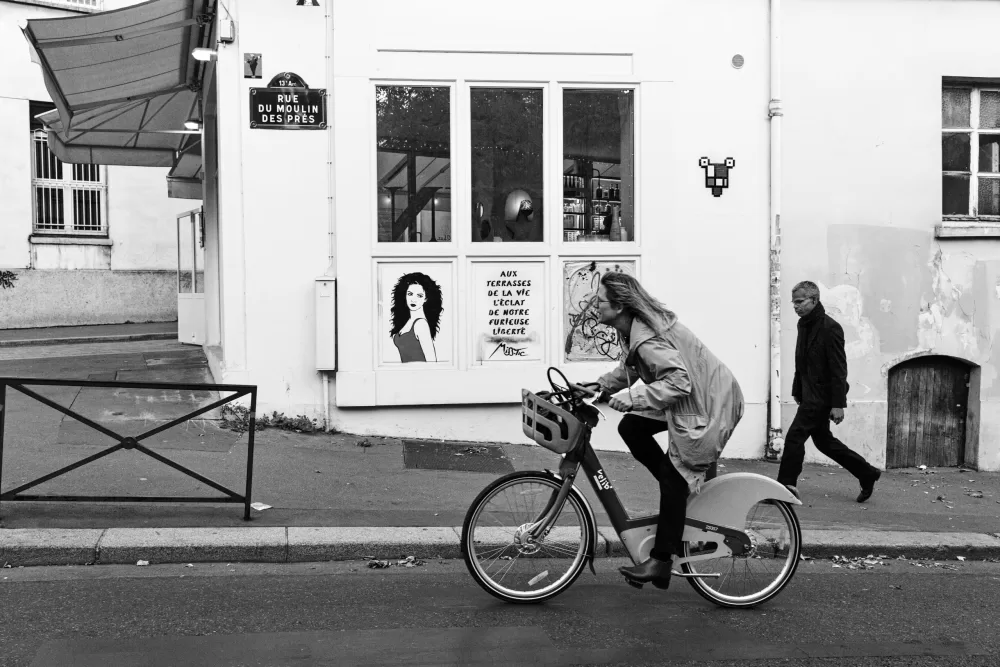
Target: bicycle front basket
[{"x": 549, "y": 425}]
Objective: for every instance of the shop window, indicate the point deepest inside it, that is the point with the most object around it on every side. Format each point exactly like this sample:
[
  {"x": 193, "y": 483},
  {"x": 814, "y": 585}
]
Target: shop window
[
  {"x": 507, "y": 198},
  {"x": 970, "y": 152},
  {"x": 413, "y": 126},
  {"x": 598, "y": 165}
]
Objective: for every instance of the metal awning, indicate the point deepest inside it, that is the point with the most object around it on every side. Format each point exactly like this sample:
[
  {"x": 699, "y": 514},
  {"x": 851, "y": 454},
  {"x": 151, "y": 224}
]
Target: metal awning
[{"x": 124, "y": 81}]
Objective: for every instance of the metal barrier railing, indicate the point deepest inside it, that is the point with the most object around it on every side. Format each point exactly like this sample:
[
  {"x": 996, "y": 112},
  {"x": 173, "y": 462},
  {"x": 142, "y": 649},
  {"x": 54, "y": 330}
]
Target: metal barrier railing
[{"x": 130, "y": 442}]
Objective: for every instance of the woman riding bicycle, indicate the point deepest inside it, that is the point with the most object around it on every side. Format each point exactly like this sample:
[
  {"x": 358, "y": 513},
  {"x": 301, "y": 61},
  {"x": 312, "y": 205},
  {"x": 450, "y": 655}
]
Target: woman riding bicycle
[{"x": 687, "y": 392}]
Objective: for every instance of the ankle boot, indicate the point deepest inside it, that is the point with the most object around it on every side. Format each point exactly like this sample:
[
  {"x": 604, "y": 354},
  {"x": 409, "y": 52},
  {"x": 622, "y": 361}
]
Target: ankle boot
[{"x": 656, "y": 572}]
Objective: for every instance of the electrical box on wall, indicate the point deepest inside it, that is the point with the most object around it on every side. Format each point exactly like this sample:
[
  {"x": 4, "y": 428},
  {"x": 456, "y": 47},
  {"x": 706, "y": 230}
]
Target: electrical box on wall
[{"x": 326, "y": 323}]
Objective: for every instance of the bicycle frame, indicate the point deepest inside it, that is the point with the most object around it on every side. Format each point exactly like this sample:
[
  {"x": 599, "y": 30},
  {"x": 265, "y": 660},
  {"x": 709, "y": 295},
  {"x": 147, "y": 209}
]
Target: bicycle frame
[{"x": 638, "y": 533}]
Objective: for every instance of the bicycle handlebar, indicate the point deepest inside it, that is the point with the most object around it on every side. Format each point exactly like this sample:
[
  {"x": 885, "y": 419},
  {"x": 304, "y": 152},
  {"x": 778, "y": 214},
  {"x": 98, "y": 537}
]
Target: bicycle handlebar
[{"x": 585, "y": 389}]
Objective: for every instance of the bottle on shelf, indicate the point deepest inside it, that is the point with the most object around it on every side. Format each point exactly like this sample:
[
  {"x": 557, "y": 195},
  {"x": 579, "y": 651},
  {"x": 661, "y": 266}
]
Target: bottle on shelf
[{"x": 616, "y": 228}]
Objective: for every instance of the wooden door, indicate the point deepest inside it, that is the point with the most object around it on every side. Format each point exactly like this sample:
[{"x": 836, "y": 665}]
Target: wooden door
[{"x": 928, "y": 401}]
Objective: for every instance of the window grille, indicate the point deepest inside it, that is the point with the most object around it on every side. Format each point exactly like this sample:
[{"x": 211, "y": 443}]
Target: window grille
[{"x": 68, "y": 198}]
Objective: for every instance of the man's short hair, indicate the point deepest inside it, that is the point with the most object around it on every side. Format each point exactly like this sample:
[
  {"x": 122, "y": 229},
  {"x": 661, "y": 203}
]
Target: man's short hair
[{"x": 809, "y": 288}]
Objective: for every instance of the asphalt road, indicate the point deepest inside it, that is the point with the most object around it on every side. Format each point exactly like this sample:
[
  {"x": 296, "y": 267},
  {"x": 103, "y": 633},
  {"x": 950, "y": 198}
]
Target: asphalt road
[{"x": 897, "y": 613}]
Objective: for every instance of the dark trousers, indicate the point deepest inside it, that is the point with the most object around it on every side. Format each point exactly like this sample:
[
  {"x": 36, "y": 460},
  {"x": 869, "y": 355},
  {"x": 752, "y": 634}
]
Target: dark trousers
[
  {"x": 811, "y": 422},
  {"x": 638, "y": 432}
]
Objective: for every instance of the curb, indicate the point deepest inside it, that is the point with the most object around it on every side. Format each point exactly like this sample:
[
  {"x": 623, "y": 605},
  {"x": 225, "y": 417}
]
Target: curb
[
  {"x": 121, "y": 338},
  {"x": 36, "y": 547}
]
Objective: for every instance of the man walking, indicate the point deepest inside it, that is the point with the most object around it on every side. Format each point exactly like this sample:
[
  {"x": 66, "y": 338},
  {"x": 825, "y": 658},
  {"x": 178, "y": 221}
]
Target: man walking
[{"x": 820, "y": 390}]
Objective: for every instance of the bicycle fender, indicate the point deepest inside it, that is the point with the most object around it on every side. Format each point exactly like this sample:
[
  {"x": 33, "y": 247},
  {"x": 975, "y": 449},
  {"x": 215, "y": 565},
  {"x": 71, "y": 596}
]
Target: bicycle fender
[
  {"x": 591, "y": 517},
  {"x": 725, "y": 500}
]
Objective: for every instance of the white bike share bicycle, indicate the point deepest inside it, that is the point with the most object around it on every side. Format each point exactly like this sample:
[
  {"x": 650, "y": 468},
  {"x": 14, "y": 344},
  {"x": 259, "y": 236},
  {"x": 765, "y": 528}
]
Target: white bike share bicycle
[{"x": 529, "y": 534}]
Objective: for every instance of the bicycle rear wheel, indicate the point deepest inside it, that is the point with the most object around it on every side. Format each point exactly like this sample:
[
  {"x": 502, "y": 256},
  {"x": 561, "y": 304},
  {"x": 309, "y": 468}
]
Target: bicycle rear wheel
[
  {"x": 504, "y": 559},
  {"x": 753, "y": 578}
]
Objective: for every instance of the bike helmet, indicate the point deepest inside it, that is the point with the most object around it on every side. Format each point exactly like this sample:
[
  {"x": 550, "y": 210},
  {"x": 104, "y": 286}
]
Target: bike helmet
[{"x": 518, "y": 203}]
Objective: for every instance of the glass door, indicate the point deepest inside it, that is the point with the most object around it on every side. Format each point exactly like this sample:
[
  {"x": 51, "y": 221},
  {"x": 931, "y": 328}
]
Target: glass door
[{"x": 191, "y": 277}]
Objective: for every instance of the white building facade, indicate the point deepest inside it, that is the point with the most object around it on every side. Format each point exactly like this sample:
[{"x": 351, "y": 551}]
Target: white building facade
[
  {"x": 371, "y": 166},
  {"x": 88, "y": 244}
]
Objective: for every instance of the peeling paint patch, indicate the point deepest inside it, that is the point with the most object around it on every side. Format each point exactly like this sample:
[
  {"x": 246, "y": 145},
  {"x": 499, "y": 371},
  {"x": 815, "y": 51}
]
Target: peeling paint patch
[
  {"x": 844, "y": 303},
  {"x": 889, "y": 267},
  {"x": 945, "y": 323}
]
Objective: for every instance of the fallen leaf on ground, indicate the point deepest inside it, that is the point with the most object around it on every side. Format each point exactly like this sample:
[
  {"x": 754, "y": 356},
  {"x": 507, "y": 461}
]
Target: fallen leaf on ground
[
  {"x": 869, "y": 562},
  {"x": 260, "y": 507},
  {"x": 410, "y": 561}
]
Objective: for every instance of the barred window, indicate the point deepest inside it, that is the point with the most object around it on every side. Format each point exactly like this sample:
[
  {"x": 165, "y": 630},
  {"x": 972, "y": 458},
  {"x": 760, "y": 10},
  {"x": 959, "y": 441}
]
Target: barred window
[
  {"x": 970, "y": 151},
  {"x": 69, "y": 199}
]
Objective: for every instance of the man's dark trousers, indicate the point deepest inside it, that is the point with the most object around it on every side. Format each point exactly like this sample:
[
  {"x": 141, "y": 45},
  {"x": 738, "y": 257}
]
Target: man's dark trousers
[{"x": 814, "y": 422}]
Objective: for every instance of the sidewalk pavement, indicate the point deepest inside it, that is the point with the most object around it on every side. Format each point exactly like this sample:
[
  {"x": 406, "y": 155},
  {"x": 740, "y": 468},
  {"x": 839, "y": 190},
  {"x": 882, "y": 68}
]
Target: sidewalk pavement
[
  {"x": 101, "y": 333},
  {"x": 340, "y": 496}
]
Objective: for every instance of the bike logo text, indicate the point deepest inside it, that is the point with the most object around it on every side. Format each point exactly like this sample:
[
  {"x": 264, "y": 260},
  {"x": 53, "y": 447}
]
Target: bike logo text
[{"x": 602, "y": 481}]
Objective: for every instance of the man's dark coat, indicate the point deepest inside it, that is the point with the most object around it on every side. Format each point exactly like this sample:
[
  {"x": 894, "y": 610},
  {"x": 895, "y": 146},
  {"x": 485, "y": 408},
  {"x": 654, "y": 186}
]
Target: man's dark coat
[{"x": 820, "y": 362}]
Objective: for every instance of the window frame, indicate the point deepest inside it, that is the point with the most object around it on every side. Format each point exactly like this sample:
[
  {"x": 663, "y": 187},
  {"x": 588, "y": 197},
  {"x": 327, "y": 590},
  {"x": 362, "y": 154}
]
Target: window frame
[
  {"x": 576, "y": 249},
  {"x": 974, "y": 132},
  {"x": 368, "y": 381},
  {"x": 415, "y": 249},
  {"x": 69, "y": 186}
]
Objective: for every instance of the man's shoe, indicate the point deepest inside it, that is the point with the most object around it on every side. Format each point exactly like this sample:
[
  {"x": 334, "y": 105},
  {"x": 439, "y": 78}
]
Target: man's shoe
[
  {"x": 794, "y": 491},
  {"x": 650, "y": 571},
  {"x": 868, "y": 486}
]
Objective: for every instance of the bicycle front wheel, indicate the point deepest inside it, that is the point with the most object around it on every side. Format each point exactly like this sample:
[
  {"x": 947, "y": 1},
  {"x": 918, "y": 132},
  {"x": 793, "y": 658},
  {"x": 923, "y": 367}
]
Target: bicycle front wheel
[
  {"x": 499, "y": 551},
  {"x": 755, "y": 577}
]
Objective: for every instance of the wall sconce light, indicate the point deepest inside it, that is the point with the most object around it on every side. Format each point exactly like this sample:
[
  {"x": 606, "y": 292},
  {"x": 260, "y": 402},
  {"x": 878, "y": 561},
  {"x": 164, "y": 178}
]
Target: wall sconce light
[
  {"x": 192, "y": 124},
  {"x": 204, "y": 54}
]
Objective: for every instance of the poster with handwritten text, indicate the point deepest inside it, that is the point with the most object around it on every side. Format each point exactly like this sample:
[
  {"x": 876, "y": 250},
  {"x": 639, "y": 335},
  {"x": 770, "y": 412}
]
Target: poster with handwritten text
[
  {"x": 586, "y": 339},
  {"x": 510, "y": 311}
]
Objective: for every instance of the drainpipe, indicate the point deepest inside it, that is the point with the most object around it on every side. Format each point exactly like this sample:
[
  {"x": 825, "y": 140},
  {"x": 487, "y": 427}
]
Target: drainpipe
[
  {"x": 331, "y": 269},
  {"x": 775, "y": 441}
]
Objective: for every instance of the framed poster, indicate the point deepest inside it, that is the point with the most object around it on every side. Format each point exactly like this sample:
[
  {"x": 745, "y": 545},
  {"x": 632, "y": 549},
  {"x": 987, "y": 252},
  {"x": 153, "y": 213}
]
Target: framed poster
[
  {"x": 586, "y": 339},
  {"x": 509, "y": 318},
  {"x": 416, "y": 314}
]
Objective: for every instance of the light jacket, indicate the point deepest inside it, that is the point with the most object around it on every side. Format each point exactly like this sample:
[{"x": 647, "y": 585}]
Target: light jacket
[{"x": 685, "y": 385}]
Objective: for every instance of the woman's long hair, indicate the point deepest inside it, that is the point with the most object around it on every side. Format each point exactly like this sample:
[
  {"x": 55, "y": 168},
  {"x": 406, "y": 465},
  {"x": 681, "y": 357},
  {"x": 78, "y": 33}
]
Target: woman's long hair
[
  {"x": 626, "y": 291},
  {"x": 433, "y": 303}
]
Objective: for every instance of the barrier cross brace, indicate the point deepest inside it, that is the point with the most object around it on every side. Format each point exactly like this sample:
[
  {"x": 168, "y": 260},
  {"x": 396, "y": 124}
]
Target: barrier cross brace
[{"x": 131, "y": 442}]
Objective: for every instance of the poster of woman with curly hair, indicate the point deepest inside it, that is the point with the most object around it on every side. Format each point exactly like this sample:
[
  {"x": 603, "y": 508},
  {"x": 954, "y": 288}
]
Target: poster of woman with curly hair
[{"x": 416, "y": 305}]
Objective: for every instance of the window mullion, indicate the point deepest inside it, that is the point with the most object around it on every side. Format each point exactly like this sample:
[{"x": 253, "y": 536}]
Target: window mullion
[
  {"x": 461, "y": 156},
  {"x": 67, "y": 197},
  {"x": 974, "y": 153},
  {"x": 103, "y": 208}
]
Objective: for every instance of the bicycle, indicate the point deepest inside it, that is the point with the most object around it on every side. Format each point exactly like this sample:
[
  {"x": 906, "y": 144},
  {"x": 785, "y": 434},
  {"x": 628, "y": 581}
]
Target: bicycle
[{"x": 524, "y": 552}]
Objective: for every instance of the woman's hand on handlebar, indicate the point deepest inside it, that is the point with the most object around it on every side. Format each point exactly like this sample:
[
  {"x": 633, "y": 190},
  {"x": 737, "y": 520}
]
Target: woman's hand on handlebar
[{"x": 623, "y": 404}]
